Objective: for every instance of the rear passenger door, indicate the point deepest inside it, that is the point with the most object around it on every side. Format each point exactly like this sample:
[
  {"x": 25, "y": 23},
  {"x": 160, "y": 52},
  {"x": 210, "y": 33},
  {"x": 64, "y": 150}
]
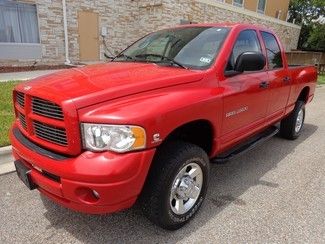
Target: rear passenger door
[
  {"x": 245, "y": 99},
  {"x": 279, "y": 79}
]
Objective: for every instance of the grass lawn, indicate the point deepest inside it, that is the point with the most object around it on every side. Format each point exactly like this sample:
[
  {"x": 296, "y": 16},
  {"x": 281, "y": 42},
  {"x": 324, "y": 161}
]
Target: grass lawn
[
  {"x": 321, "y": 79},
  {"x": 6, "y": 110}
]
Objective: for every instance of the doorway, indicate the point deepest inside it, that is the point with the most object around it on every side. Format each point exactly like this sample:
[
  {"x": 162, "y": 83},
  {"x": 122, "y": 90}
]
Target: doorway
[{"x": 88, "y": 31}]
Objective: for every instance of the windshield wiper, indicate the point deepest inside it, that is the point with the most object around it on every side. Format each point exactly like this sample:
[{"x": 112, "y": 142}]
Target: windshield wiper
[
  {"x": 172, "y": 61},
  {"x": 122, "y": 55}
]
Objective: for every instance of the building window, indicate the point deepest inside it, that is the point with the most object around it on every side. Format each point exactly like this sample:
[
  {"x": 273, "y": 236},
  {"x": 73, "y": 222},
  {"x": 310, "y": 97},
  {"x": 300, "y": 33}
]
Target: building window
[
  {"x": 18, "y": 22},
  {"x": 261, "y": 6},
  {"x": 238, "y": 3}
]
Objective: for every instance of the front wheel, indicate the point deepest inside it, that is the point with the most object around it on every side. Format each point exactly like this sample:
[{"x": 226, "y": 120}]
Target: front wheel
[
  {"x": 292, "y": 125},
  {"x": 176, "y": 185}
]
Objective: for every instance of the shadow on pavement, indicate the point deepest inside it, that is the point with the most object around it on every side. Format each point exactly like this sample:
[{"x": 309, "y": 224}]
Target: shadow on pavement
[{"x": 227, "y": 183}]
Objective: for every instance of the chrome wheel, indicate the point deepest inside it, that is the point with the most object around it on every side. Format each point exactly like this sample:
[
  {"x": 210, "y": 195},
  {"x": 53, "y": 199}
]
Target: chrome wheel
[
  {"x": 299, "y": 121},
  {"x": 186, "y": 188}
]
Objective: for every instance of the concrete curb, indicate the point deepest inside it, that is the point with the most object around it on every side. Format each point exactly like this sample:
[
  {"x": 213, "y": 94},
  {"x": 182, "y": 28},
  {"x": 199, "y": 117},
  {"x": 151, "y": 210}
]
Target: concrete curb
[
  {"x": 25, "y": 75},
  {"x": 6, "y": 160},
  {"x": 7, "y": 168},
  {"x": 5, "y": 155}
]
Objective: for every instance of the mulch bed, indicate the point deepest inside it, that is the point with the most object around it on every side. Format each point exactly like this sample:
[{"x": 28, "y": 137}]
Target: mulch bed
[{"x": 9, "y": 69}]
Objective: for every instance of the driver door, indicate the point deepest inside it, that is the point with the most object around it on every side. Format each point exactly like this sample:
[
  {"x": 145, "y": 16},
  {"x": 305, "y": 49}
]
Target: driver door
[{"x": 245, "y": 98}]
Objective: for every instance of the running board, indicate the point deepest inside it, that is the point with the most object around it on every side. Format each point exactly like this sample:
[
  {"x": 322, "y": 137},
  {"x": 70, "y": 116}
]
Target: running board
[{"x": 246, "y": 146}]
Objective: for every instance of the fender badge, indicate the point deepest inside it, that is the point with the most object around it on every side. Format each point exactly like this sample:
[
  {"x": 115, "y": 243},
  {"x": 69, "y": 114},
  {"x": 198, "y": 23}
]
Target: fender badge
[{"x": 156, "y": 138}]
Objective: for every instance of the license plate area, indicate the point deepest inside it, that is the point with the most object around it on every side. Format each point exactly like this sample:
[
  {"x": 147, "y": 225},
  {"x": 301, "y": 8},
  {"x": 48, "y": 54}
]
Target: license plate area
[{"x": 23, "y": 173}]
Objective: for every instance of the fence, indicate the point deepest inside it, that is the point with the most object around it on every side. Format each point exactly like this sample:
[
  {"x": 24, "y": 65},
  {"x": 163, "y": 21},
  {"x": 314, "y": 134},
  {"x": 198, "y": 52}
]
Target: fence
[
  {"x": 321, "y": 69},
  {"x": 307, "y": 58}
]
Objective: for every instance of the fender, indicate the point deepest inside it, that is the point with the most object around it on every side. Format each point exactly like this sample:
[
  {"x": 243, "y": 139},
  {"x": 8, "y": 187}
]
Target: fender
[{"x": 160, "y": 110}]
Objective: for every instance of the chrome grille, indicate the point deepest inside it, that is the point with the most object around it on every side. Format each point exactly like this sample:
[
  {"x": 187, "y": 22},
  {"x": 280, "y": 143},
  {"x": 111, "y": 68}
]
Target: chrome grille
[
  {"x": 20, "y": 97},
  {"x": 46, "y": 108},
  {"x": 22, "y": 120},
  {"x": 50, "y": 133}
]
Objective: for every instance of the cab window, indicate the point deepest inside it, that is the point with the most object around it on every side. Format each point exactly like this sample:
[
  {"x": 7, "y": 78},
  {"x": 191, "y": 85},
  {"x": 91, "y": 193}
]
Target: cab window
[
  {"x": 273, "y": 51},
  {"x": 247, "y": 41}
]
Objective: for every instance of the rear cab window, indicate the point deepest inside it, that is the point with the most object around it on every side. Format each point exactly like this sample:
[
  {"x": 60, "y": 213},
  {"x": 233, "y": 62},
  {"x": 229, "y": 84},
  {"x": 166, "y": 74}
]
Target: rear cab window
[{"x": 273, "y": 51}]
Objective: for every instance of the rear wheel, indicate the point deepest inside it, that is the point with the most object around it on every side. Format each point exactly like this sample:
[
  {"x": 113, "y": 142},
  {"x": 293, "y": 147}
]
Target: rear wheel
[
  {"x": 292, "y": 125},
  {"x": 176, "y": 185}
]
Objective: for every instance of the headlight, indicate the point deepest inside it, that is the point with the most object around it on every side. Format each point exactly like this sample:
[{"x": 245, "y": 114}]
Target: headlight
[{"x": 117, "y": 138}]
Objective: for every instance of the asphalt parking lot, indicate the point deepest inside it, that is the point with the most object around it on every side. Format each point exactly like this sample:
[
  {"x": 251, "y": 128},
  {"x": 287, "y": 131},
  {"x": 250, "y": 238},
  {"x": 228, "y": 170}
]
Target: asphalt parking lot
[{"x": 273, "y": 194}]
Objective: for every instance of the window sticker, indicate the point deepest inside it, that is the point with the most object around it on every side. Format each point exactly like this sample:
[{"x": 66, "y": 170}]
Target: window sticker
[{"x": 205, "y": 60}]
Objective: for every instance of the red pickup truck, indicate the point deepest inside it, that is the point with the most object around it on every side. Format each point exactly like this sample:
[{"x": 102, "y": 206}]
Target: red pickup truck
[{"x": 146, "y": 126}]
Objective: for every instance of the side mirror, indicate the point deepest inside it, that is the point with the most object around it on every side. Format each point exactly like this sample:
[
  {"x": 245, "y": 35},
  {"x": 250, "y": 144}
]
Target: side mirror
[{"x": 250, "y": 61}]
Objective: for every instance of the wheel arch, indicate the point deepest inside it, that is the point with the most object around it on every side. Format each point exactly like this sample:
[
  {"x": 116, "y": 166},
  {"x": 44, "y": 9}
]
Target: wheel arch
[
  {"x": 198, "y": 132},
  {"x": 304, "y": 94}
]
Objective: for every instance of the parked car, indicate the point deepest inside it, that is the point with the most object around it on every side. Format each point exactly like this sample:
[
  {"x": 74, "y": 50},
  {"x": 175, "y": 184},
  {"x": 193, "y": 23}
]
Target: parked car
[{"x": 146, "y": 126}]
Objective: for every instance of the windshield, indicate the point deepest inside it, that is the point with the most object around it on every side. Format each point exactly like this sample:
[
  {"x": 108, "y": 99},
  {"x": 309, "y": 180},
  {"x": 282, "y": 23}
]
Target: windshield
[{"x": 188, "y": 47}]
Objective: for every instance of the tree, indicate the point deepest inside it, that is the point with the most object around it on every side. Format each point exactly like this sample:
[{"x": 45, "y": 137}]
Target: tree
[
  {"x": 316, "y": 38},
  {"x": 309, "y": 14}
]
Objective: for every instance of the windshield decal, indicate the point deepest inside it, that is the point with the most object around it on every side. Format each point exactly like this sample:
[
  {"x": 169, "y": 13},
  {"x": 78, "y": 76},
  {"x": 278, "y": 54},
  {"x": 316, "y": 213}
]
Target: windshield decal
[{"x": 205, "y": 60}]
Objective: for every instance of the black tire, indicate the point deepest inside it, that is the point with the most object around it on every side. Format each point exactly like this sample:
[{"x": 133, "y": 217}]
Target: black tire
[
  {"x": 169, "y": 161},
  {"x": 288, "y": 124}
]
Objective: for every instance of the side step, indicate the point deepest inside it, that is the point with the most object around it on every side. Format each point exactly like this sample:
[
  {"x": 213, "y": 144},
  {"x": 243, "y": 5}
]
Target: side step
[{"x": 246, "y": 146}]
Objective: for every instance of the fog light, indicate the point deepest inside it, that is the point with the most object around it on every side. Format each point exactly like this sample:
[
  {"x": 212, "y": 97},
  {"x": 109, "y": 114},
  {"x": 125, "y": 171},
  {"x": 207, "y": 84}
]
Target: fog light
[
  {"x": 87, "y": 195},
  {"x": 96, "y": 194}
]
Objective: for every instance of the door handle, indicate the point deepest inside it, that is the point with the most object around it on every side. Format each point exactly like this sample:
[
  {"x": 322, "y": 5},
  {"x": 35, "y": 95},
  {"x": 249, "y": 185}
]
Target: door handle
[
  {"x": 286, "y": 79},
  {"x": 264, "y": 84}
]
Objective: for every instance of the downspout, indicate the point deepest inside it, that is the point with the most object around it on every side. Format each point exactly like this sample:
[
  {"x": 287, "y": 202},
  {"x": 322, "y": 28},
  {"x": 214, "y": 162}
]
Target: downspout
[{"x": 65, "y": 27}]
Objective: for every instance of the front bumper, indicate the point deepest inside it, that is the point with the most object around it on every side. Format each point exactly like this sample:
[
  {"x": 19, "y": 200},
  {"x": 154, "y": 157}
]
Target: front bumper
[{"x": 117, "y": 178}]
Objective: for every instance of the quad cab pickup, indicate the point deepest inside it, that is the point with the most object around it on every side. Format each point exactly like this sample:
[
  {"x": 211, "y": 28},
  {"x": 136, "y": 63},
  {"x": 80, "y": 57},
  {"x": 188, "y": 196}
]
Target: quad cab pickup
[{"x": 146, "y": 126}]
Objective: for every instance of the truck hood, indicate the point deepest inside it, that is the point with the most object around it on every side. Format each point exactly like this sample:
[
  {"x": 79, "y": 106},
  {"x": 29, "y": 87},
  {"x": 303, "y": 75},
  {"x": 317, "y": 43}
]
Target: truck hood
[{"x": 98, "y": 83}]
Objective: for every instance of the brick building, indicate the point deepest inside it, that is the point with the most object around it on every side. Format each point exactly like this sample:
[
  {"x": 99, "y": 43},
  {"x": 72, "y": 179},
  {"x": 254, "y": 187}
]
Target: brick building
[{"x": 37, "y": 30}]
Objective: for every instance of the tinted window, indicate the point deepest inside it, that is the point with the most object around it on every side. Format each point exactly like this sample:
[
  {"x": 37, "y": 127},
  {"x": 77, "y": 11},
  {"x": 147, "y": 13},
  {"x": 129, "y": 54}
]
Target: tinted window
[
  {"x": 238, "y": 3},
  {"x": 193, "y": 47},
  {"x": 247, "y": 41},
  {"x": 261, "y": 6},
  {"x": 273, "y": 51}
]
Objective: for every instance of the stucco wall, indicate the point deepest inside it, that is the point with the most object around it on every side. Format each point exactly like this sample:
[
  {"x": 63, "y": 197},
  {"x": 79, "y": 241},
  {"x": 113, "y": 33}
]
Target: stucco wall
[{"x": 273, "y": 6}]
